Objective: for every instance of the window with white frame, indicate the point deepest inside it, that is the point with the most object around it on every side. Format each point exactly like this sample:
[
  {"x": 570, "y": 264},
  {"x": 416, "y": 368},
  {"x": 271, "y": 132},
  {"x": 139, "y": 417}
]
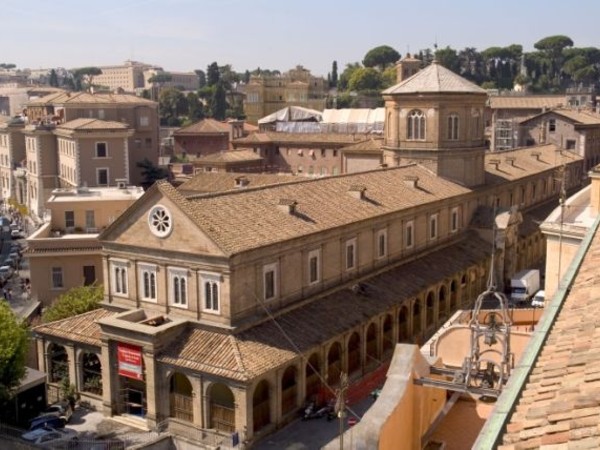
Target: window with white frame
[
  {"x": 147, "y": 277},
  {"x": 144, "y": 121},
  {"x": 454, "y": 223},
  {"x": 350, "y": 254},
  {"x": 69, "y": 219},
  {"x": 211, "y": 292},
  {"x": 452, "y": 132},
  {"x": 382, "y": 243},
  {"x": 178, "y": 284},
  {"x": 314, "y": 266},
  {"x": 409, "y": 234},
  {"x": 119, "y": 278},
  {"x": 433, "y": 226},
  {"x": 101, "y": 150},
  {"x": 270, "y": 281},
  {"x": 57, "y": 278},
  {"x": 415, "y": 129}
]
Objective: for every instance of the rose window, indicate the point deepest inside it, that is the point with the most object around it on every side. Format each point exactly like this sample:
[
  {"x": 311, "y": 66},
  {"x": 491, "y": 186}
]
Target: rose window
[{"x": 160, "y": 221}]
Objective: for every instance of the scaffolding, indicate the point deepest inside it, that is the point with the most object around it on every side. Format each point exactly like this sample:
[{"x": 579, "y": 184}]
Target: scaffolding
[{"x": 506, "y": 135}]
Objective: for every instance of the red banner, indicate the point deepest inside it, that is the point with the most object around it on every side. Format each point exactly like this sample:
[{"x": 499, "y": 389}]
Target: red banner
[{"x": 130, "y": 361}]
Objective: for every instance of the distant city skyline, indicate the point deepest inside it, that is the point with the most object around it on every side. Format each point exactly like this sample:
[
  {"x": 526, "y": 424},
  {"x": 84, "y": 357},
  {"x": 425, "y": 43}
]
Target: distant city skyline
[{"x": 184, "y": 35}]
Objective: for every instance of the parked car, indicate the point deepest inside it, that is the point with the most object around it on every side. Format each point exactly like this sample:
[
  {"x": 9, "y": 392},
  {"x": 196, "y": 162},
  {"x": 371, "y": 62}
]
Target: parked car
[
  {"x": 50, "y": 437},
  {"x": 61, "y": 409},
  {"x": 16, "y": 234},
  {"x": 46, "y": 422},
  {"x": 6, "y": 272}
]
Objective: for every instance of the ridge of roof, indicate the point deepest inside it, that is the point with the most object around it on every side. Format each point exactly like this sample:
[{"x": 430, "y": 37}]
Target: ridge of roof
[{"x": 435, "y": 78}]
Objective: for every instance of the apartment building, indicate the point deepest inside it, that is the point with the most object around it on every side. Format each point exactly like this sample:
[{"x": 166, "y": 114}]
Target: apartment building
[
  {"x": 65, "y": 252},
  {"x": 12, "y": 156},
  {"x": 266, "y": 94},
  {"x": 227, "y": 311},
  {"x": 126, "y": 77}
]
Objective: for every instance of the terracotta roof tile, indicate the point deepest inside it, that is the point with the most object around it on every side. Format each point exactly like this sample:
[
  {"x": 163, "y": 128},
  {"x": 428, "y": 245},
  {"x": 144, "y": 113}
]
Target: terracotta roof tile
[
  {"x": 526, "y": 101},
  {"x": 204, "y": 182},
  {"x": 82, "y": 328},
  {"x": 62, "y": 98},
  {"x": 92, "y": 124}
]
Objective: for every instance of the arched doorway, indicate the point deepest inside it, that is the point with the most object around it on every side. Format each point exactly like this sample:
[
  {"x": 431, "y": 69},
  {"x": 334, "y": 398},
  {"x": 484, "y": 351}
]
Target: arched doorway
[
  {"x": 388, "y": 335},
  {"x": 354, "y": 354},
  {"x": 453, "y": 297},
  {"x": 313, "y": 380},
  {"x": 58, "y": 361},
  {"x": 417, "y": 321},
  {"x": 443, "y": 304},
  {"x": 372, "y": 347},
  {"x": 260, "y": 406},
  {"x": 430, "y": 310},
  {"x": 92, "y": 373},
  {"x": 334, "y": 364},
  {"x": 181, "y": 397},
  {"x": 289, "y": 390},
  {"x": 403, "y": 331},
  {"x": 221, "y": 408}
]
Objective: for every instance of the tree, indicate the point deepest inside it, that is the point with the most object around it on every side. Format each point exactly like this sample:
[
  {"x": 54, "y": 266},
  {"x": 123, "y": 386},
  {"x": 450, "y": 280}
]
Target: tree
[
  {"x": 13, "y": 351},
  {"x": 365, "y": 78},
  {"x": 334, "y": 75},
  {"x": 171, "y": 105},
  {"x": 77, "y": 300},
  {"x": 86, "y": 75},
  {"x": 195, "y": 111},
  {"x": 346, "y": 74},
  {"x": 381, "y": 57},
  {"x": 7, "y": 66},
  {"x": 552, "y": 47},
  {"x": 201, "y": 78},
  {"x": 212, "y": 74},
  {"x": 53, "y": 78},
  {"x": 151, "y": 173},
  {"x": 218, "y": 103},
  {"x": 448, "y": 58}
]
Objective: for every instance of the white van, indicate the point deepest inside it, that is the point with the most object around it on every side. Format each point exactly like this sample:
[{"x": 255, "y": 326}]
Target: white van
[{"x": 538, "y": 299}]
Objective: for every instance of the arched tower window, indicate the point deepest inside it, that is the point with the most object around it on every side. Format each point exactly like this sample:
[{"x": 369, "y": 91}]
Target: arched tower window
[
  {"x": 415, "y": 125},
  {"x": 452, "y": 132}
]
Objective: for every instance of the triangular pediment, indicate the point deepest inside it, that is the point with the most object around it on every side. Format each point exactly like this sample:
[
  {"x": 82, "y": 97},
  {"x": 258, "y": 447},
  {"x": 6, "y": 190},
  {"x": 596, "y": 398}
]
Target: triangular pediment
[{"x": 157, "y": 222}]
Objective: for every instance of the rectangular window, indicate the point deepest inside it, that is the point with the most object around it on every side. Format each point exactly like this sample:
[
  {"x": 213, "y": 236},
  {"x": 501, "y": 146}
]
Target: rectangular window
[
  {"x": 178, "y": 287},
  {"x": 454, "y": 220},
  {"x": 101, "y": 150},
  {"x": 119, "y": 278},
  {"x": 382, "y": 243},
  {"x": 270, "y": 281},
  {"x": 148, "y": 142},
  {"x": 210, "y": 291},
  {"x": 433, "y": 226},
  {"x": 552, "y": 125},
  {"x": 351, "y": 254},
  {"x": 101, "y": 114},
  {"x": 102, "y": 177},
  {"x": 69, "y": 219},
  {"x": 314, "y": 266},
  {"x": 57, "y": 278},
  {"x": 89, "y": 275},
  {"x": 147, "y": 286},
  {"x": 409, "y": 234},
  {"x": 90, "y": 220},
  {"x": 571, "y": 144},
  {"x": 144, "y": 121}
]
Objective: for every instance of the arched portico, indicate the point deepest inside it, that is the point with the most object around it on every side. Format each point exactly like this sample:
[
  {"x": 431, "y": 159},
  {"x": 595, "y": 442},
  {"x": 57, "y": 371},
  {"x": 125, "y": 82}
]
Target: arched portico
[
  {"x": 181, "y": 398},
  {"x": 221, "y": 408}
]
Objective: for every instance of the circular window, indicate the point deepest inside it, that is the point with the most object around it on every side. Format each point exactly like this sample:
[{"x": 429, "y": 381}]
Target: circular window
[{"x": 160, "y": 221}]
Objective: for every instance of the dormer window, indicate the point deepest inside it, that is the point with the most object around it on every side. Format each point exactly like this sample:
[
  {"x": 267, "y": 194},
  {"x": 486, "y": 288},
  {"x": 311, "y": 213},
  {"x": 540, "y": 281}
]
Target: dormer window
[
  {"x": 416, "y": 125},
  {"x": 452, "y": 131}
]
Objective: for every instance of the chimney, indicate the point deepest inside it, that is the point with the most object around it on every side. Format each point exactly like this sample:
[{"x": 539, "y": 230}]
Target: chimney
[
  {"x": 287, "y": 205},
  {"x": 241, "y": 182},
  {"x": 537, "y": 155},
  {"x": 411, "y": 181},
  {"x": 511, "y": 160},
  {"x": 357, "y": 191},
  {"x": 495, "y": 162}
]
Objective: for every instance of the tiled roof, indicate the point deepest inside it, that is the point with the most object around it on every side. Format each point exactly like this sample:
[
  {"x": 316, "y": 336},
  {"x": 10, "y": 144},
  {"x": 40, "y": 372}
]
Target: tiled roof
[
  {"x": 323, "y": 203},
  {"x": 82, "y": 328},
  {"x": 435, "y": 78},
  {"x": 248, "y": 354},
  {"x": 526, "y": 101},
  {"x": 206, "y": 126},
  {"x": 226, "y": 181},
  {"x": 231, "y": 156},
  {"x": 62, "y": 98},
  {"x": 525, "y": 162},
  {"x": 580, "y": 117},
  {"x": 372, "y": 145},
  {"x": 292, "y": 138},
  {"x": 92, "y": 124},
  {"x": 560, "y": 404}
]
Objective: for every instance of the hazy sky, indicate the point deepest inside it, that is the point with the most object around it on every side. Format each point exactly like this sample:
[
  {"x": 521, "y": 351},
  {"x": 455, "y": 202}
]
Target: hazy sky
[{"x": 183, "y": 35}]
